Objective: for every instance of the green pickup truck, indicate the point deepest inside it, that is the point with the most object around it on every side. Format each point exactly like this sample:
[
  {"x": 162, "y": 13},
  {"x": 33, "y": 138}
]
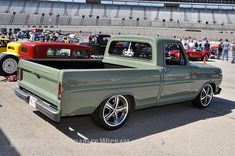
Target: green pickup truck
[{"x": 137, "y": 72}]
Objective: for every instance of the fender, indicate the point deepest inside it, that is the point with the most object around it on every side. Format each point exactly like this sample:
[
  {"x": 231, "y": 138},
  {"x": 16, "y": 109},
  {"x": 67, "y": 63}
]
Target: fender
[
  {"x": 11, "y": 53},
  {"x": 119, "y": 93}
]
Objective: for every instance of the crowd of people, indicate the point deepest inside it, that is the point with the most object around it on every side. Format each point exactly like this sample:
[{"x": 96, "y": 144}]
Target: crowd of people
[
  {"x": 44, "y": 36},
  {"x": 223, "y": 47}
]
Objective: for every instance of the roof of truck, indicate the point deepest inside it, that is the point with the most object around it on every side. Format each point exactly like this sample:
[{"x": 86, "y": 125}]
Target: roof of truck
[{"x": 141, "y": 37}]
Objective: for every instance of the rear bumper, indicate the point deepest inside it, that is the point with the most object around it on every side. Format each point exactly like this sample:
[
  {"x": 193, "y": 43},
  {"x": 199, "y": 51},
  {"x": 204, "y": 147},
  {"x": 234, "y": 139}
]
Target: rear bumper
[
  {"x": 41, "y": 105},
  {"x": 218, "y": 90}
]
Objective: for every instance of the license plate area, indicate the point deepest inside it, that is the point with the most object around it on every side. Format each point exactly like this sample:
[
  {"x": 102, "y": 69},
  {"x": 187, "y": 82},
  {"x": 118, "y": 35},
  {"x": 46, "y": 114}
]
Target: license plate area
[{"x": 32, "y": 101}]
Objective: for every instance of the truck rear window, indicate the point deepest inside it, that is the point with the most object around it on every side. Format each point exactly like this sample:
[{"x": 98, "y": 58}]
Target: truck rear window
[
  {"x": 63, "y": 53},
  {"x": 131, "y": 49}
]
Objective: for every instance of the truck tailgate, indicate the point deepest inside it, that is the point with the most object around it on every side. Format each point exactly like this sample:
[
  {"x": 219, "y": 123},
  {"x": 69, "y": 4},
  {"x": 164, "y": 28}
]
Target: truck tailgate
[{"x": 40, "y": 80}]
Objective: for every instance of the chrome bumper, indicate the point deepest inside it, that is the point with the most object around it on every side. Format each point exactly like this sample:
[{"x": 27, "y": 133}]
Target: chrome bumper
[{"x": 44, "y": 107}]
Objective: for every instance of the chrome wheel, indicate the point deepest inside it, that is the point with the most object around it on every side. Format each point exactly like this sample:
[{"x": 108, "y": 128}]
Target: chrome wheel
[
  {"x": 206, "y": 95},
  {"x": 115, "y": 110},
  {"x": 9, "y": 65}
]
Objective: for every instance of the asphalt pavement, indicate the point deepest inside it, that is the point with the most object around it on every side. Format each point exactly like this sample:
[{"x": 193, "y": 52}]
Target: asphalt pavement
[{"x": 178, "y": 129}]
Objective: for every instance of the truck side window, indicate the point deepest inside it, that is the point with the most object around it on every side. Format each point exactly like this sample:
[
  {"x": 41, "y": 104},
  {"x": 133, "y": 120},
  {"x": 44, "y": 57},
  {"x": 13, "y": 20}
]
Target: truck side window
[
  {"x": 81, "y": 53},
  {"x": 63, "y": 53},
  {"x": 174, "y": 55},
  {"x": 131, "y": 49}
]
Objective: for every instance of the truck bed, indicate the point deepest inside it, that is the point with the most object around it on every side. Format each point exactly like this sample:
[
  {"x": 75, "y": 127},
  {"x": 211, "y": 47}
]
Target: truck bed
[{"x": 74, "y": 64}]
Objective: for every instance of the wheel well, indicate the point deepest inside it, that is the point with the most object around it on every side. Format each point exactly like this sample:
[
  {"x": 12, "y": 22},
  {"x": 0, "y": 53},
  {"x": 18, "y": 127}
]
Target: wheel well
[
  {"x": 213, "y": 86},
  {"x": 131, "y": 98},
  {"x": 133, "y": 102}
]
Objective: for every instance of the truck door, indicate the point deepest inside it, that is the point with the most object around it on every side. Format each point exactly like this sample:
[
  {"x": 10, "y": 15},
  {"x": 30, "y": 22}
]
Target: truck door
[{"x": 177, "y": 80}]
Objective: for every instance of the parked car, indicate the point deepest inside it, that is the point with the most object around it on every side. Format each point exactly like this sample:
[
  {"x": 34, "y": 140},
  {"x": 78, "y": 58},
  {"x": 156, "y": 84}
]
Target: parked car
[
  {"x": 215, "y": 51},
  {"x": 9, "y": 59},
  {"x": 98, "y": 42},
  {"x": 23, "y": 34},
  {"x": 54, "y": 51},
  {"x": 134, "y": 74},
  {"x": 198, "y": 54},
  {"x": 47, "y": 51}
]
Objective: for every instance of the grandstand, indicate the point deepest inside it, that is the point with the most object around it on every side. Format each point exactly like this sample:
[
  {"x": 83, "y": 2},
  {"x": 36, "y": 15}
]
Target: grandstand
[{"x": 187, "y": 14}]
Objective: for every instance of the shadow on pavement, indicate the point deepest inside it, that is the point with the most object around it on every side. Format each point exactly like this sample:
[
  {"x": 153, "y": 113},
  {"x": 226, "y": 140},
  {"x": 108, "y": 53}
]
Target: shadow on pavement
[
  {"x": 6, "y": 148},
  {"x": 142, "y": 123}
]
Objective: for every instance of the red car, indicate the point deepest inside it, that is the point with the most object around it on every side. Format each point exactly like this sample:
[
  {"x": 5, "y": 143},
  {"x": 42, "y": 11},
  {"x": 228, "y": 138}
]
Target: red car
[
  {"x": 54, "y": 50},
  {"x": 195, "y": 54}
]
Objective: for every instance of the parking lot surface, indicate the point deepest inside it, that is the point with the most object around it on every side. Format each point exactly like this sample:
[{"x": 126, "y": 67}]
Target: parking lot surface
[{"x": 178, "y": 129}]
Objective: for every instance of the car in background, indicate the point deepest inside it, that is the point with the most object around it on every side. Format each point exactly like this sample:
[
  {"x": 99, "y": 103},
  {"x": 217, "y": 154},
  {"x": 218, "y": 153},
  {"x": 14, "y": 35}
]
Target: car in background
[
  {"x": 98, "y": 42},
  {"x": 198, "y": 54},
  {"x": 9, "y": 59},
  {"x": 54, "y": 50},
  {"x": 23, "y": 34},
  {"x": 3, "y": 44},
  {"x": 42, "y": 51},
  {"x": 215, "y": 51}
]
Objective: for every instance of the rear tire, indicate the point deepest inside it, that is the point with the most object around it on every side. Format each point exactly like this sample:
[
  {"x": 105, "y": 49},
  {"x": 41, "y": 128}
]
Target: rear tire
[
  {"x": 205, "y": 97},
  {"x": 113, "y": 113},
  {"x": 8, "y": 65}
]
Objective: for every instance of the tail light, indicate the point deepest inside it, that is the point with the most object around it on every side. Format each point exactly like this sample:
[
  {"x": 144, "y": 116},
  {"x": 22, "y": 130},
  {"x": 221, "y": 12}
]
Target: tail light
[{"x": 60, "y": 91}]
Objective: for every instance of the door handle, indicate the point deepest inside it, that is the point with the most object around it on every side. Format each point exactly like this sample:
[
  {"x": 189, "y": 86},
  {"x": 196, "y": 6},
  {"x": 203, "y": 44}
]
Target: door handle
[{"x": 166, "y": 70}]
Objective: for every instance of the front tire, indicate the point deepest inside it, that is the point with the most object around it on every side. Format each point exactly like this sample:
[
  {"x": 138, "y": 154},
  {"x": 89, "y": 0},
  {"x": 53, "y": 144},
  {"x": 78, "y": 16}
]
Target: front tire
[
  {"x": 113, "y": 112},
  {"x": 205, "y": 97},
  {"x": 8, "y": 65}
]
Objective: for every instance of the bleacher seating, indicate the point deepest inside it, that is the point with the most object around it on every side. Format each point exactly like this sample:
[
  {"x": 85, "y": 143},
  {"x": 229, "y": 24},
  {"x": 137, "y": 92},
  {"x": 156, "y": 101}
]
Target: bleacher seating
[
  {"x": 31, "y": 7},
  {"x": 5, "y": 18},
  {"x": 49, "y": 20},
  {"x": 34, "y": 19},
  {"x": 29, "y": 12},
  {"x": 17, "y": 5},
  {"x": 4, "y": 6},
  {"x": 45, "y": 7},
  {"x": 59, "y": 9},
  {"x": 19, "y": 19},
  {"x": 220, "y": 17},
  {"x": 232, "y": 17}
]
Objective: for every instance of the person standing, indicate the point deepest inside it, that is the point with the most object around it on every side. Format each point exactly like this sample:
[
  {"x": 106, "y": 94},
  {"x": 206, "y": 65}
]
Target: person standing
[
  {"x": 233, "y": 52},
  {"x": 207, "y": 46},
  {"x": 220, "y": 49},
  {"x": 195, "y": 45},
  {"x": 225, "y": 46},
  {"x": 199, "y": 47},
  {"x": 191, "y": 45}
]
